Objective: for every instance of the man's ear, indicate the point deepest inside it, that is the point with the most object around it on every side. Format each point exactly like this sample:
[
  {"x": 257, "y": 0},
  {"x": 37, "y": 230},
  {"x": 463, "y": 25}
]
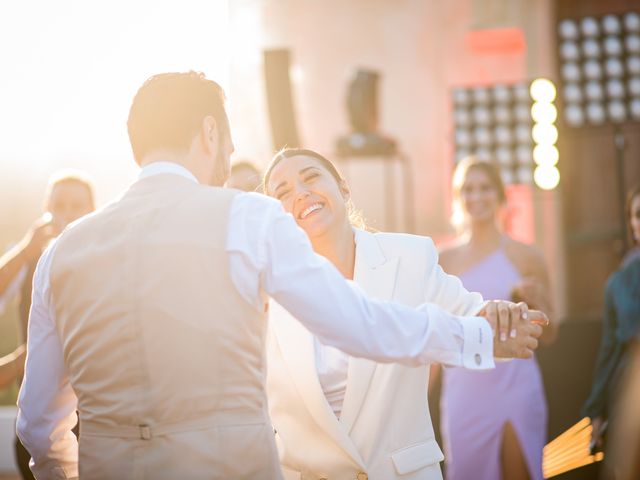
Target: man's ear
[
  {"x": 345, "y": 190},
  {"x": 209, "y": 134}
]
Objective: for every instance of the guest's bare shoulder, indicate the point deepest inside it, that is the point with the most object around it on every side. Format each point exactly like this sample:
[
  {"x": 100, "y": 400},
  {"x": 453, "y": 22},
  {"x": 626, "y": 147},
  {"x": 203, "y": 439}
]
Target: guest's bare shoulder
[
  {"x": 528, "y": 259},
  {"x": 452, "y": 258}
]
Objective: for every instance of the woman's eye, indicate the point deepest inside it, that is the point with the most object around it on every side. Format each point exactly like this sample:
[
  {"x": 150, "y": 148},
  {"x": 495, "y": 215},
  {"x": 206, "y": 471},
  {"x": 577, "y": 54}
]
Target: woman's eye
[
  {"x": 310, "y": 177},
  {"x": 280, "y": 195}
]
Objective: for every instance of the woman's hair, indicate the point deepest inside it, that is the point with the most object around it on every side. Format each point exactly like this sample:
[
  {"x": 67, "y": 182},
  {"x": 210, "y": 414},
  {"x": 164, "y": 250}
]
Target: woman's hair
[
  {"x": 460, "y": 175},
  {"x": 633, "y": 193},
  {"x": 355, "y": 216}
]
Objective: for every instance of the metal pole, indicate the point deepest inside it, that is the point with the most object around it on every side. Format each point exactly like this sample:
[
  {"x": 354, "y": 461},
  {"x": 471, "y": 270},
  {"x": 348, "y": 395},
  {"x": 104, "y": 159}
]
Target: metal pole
[{"x": 620, "y": 143}]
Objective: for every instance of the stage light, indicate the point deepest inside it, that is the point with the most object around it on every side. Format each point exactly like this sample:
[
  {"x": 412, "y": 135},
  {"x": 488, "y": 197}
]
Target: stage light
[
  {"x": 592, "y": 70},
  {"x": 572, "y": 93},
  {"x": 502, "y": 114},
  {"x": 634, "y": 108},
  {"x": 595, "y": 113},
  {"x": 462, "y": 153},
  {"x": 481, "y": 96},
  {"x": 522, "y": 113},
  {"x": 546, "y": 155},
  {"x": 591, "y": 48},
  {"x": 569, "y": 51},
  {"x": 482, "y": 136},
  {"x": 568, "y": 29},
  {"x": 542, "y": 90},
  {"x": 633, "y": 65},
  {"x": 544, "y": 134},
  {"x": 481, "y": 115},
  {"x": 461, "y": 97},
  {"x": 463, "y": 137},
  {"x": 571, "y": 72},
  {"x": 594, "y": 91},
  {"x": 542, "y": 112},
  {"x": 634, "y": 86},
  {"x": 616, "y": 111},
  {"x": 462, "y": 117},
  {"x": 546, "y": 177},
  {"x": 523, "y": 134},
  {"x": 589, "y": 27},
  {"x": 632, "y": 22},
  {"x": 524, "y": 174},
  {"x": 483, "y": 154},
  {"x": 521, "y": 93},
  {"x": 501, "y": 94},
  {"x": 574, "y": 115},
  {"x": 500, "y": 120},
  {"x": 632, "y": 44},
  {"x": 615, "y": 88},
  {"x": 612, "y": 46},
  {"x": 524, "y": 154},
  {"x": 611, "y": 25},
  {"x": 503, "y": 135},
  {"x": 614, "y": 67},
  {"x": 504, "y": 156}
]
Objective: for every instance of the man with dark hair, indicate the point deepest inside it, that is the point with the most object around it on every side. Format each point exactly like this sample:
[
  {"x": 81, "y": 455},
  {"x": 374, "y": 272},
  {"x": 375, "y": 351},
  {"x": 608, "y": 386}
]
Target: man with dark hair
[{"x": 149, "y": 315}]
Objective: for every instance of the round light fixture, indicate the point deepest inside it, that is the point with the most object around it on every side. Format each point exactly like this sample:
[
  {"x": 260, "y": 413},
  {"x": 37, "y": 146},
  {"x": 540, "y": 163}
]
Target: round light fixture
[
  {"x": 568, "y": 29},
  {"x": 542, "y": 90},
  {"x": 546, "y": 155},
  {"x": 544, "y": 112},
  {"x": 544, "y": 134},
  {"x": 546, "y": 177}
]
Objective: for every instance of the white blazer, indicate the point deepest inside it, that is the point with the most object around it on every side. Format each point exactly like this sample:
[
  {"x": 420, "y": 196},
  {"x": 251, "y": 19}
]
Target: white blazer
[{"x": 384, "y": 431}]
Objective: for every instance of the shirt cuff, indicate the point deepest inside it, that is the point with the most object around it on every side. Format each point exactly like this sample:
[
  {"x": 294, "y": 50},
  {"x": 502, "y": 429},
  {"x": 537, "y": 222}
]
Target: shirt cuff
[{"x": 477, "y": 347}]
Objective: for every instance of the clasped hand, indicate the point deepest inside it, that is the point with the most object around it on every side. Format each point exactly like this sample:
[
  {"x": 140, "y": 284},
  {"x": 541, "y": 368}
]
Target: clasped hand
[{"x": 516, "y": 328}]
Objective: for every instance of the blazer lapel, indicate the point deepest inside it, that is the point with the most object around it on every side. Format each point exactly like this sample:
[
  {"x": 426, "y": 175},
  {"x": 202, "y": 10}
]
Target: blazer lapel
[
  {"x": 297, "y": 347},
  {"x": 376, "y": 275}
]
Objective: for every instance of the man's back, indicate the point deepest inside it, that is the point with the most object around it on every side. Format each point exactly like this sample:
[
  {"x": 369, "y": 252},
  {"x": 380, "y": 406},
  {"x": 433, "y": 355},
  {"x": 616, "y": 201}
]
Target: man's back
[{"x": 161, "y": 350}]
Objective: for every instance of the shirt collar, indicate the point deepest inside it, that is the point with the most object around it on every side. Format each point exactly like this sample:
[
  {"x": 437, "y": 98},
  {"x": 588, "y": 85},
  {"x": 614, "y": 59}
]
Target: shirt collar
[{"x": 157, "y": 168}]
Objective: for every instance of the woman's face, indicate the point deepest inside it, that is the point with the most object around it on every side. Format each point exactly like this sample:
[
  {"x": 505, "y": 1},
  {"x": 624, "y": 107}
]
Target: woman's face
[
  {"x": 635, "y": 218},
  {"x": 478, "y": 196},
  {"x": 310, "y": 193},
  {"x": 68, "y": 202}
]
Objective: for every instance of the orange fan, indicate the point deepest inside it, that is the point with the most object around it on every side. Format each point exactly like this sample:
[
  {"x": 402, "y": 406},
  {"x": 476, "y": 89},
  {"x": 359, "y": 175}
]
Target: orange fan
[{"x": 570, "y": 450}]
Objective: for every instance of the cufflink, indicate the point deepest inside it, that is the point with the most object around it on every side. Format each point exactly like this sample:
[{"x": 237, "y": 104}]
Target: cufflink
[{"x": 478, "y": 359}]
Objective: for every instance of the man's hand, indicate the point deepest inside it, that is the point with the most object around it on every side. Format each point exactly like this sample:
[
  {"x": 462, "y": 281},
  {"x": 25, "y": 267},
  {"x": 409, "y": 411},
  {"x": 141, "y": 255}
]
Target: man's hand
[{"x": 516, "y": 328}]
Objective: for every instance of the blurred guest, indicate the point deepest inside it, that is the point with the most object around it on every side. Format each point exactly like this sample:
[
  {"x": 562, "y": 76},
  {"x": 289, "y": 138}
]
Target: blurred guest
[
  {"x": 622, "y": 461},
  {"x": 69, "y": 196},
  {"x": 12, "y": 366},
  {"x": 357, "y": 418},
  {"x": 244, "y": 176},
  {"x": 501, "y": 432},
  {"x": 620, "y": 329}
]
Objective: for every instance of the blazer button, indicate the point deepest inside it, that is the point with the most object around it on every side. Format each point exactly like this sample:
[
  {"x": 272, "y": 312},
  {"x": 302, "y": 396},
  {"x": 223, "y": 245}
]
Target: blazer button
[
  {"x": 362, "y": 476},
  {"x": 478, "y": 359}
]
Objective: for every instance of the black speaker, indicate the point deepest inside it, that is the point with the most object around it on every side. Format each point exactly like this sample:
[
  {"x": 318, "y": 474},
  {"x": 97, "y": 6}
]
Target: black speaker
[{"x": 279, "y": 99}]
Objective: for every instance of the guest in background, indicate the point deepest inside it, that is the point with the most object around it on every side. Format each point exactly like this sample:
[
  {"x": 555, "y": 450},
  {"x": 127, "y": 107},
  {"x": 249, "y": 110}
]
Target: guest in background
[
  {"x": 357, "y": 418},
  {"x": 244, "y": 176},
  {"x": 500, "y": 433},
  {"x": 69, "y": 196},
  {"x": 620, "y": 329}
]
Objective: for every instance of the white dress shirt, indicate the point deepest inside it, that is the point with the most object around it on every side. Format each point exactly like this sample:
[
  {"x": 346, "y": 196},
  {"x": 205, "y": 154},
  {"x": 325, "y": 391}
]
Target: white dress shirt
[{"x": 269, "y": 255}]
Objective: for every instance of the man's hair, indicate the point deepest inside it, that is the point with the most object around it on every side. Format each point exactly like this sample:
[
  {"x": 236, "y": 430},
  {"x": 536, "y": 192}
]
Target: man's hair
[
  {"x": 168, "y": 111},
  {"x": 67, "y": 176}
]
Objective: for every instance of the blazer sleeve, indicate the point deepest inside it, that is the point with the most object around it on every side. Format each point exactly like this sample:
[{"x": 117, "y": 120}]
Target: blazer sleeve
[{"x": 447, "y": 290}]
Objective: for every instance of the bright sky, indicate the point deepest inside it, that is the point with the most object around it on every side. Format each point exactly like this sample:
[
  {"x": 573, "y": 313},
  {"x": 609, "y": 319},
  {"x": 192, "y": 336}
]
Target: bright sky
[{"x": 71, "y": 68}]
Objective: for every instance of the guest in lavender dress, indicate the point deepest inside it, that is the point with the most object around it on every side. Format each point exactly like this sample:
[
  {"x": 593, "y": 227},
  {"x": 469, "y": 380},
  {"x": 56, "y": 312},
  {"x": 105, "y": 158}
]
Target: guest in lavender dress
[{"x": 493, "y": 424}]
